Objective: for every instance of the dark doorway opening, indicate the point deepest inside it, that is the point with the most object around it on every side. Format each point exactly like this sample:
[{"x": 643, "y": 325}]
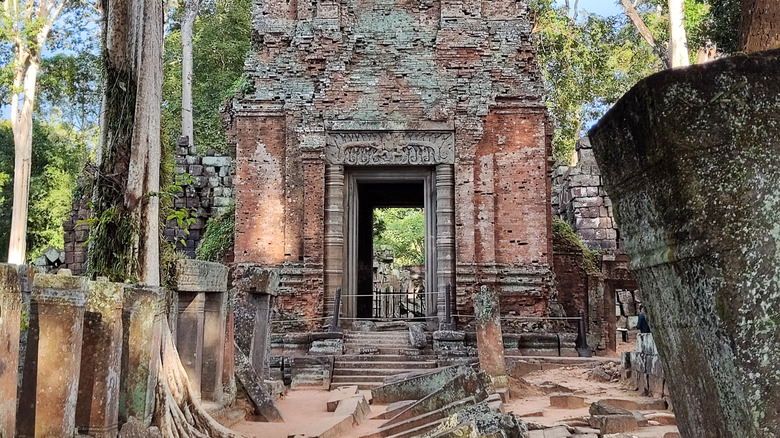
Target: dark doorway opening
[{"x": 372, "y": 196}]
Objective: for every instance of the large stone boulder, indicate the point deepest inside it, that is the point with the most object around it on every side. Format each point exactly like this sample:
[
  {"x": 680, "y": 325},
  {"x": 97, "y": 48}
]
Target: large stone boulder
[{"x": 691, "y": 160}]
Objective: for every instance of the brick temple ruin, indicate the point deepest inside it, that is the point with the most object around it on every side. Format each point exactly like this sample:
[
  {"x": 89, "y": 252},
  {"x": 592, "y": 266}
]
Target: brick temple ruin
[{"x": 353, "y": 105}]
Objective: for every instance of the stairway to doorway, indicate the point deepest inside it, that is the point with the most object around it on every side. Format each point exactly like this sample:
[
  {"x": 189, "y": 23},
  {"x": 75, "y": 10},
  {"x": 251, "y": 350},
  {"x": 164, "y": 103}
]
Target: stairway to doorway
[{"x": 373, "y": 356}]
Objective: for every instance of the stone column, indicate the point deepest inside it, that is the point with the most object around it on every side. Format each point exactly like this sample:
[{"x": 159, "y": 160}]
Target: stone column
[
  {"x": 57, "y": 312},
  {"x": 97, "y": 410},
  {"x": 490, "y": 344},
  {"x": 142, "y": 318},
  {"x": 228, "y": 353},
  {"x": 202, "y": 288},
  {"x": 189, "y": 336},
  {"x": 445, "y": 235},
  {"x": 215, "y": 320},
  {"x": 334, "y": 232},
  {"x": 10, "y": 323}
]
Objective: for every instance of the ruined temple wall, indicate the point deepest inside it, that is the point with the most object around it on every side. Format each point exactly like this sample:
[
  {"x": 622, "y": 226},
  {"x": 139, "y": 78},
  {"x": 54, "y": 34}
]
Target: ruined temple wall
[{"x": 359, "y": 67}]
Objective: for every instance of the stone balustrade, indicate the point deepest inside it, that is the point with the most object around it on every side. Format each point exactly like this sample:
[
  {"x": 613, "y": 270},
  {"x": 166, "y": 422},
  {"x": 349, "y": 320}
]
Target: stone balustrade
[{"x": 89, "y": 350}]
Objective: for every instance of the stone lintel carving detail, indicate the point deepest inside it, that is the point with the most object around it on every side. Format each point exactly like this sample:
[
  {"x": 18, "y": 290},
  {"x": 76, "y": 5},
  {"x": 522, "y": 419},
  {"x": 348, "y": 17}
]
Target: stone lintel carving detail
[{"x": 390, "y": 148}]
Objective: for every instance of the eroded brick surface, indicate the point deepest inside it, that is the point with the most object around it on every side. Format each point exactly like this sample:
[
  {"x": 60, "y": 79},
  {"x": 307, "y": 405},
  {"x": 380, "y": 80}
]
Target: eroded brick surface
[{"x": 420, "y": 66}]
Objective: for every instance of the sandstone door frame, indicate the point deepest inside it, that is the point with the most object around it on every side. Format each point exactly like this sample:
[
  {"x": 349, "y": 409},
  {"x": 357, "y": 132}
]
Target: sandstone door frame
[
  {"x": 389, "y": 156},
  {"x": 378, "y": 175}
]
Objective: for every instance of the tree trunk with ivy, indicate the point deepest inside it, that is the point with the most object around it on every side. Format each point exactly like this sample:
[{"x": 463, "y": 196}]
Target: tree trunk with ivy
[{"x": 124, "y": 231}]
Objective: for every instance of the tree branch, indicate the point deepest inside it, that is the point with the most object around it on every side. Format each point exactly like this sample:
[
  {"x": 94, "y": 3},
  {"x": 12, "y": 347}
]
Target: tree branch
[{"x": 632, "y": 13}]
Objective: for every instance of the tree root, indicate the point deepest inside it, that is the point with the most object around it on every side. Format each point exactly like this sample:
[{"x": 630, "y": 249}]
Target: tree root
[{"x": 178, "y": 414}]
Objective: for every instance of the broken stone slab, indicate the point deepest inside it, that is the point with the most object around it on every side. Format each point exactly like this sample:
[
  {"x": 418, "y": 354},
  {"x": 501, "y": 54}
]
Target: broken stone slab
[
  {"x": 614, "y": 423},
  {"x": 416, "y": 387},
  {"x": 394, "y": 408},
  {"x": 449, "y": 335},
  {"x": 480, "y": 420},
  {"x": 10, "y": 323},
  {"x": 567, "y": 401},
  {"x": 600, "y": 408},
  {"x": 468, "y": 384},
  {"x": 334, "y": 427},
  {"x": 642, "y": 404},
  {"x": 255, "y": 388},
  {"x": 339, "y": 394},
  {"x": 690, "y": 160},
  {"x": 387, "y": 326},
  {"x": 557, "y": 432},
  {"x": 355, "y": 405},
  {"x": 664, "y": 418},
  {"x": 311, "y": 372},
  {"x": 490, "y": 345}
]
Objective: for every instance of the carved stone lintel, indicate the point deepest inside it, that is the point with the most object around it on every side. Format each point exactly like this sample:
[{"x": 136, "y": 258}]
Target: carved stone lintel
[{"x": 390, "y": 148}]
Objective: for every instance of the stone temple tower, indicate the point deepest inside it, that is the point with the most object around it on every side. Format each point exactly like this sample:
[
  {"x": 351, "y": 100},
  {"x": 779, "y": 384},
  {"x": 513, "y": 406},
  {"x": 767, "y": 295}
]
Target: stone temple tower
[{"x": 356, "y": 104}]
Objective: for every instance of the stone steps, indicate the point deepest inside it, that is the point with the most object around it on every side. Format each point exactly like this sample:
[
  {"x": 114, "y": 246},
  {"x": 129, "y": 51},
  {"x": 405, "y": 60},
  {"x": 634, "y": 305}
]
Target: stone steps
[
  {"x": 385, "y": 365},
  {"x": 385, "y": 354}
]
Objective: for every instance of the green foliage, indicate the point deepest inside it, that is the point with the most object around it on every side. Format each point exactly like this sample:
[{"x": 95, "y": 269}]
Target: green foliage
[
  {"x": 587, "y": 65},
  {"x": 219, "y": 236},
  {"x": 220, "y": 43},
  {"x": 723, "y": 24},
  {"x": 112, "y": 231},
  {"x": 59, "y": 155},
  {"x": 403, "y": 229},
  {"x": 562, "y": 231}
]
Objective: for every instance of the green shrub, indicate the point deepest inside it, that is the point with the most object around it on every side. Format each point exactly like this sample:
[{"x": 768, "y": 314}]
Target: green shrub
[{"x": 219, "y": 236}]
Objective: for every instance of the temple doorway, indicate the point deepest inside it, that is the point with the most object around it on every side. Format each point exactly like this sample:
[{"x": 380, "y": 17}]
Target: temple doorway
[{"x": 375, "y": 197}]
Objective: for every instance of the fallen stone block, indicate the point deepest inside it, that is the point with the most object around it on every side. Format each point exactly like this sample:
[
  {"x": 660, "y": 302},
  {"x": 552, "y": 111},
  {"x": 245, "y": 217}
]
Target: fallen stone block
[
  {"x": 539, "y": 413},
  {"x": 416, "y": 387},
  {"x": 663, "y": 418},
  {"x": 600, "y": 408},
  {"x": 614, "y": 423},
  {"x": 256, "y": 389},
  {"x": 557, "y": 432},
  {"x": 417, "y": 336},
  {"x": 672, "y": 435},
  {"x": 357, "y": 406},
  {"x": 643, "y": 404},
  {"x": 567, "y": 401},
  {"x": 340, "y": 394}
]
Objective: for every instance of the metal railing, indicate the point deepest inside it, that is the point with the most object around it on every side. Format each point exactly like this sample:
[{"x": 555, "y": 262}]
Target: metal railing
[{"x": 397, "y": 305}]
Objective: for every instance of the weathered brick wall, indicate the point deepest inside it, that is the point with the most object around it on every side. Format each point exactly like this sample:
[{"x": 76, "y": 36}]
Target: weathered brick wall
[
  {"x": 374, "y": 66},
  {"x": 76, "y": 235}
]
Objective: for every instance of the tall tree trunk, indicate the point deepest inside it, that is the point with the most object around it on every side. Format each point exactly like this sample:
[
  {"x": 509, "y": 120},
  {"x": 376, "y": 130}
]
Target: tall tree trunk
[
  {"x": 126, "y": 203},
  {"x": 759, "y": 25},
  {"x": 38, "y": 18},
  {"x": 640, "y": 25},
  {"x": 191, "y": 8},
  {"x": 678, "y": 42}
]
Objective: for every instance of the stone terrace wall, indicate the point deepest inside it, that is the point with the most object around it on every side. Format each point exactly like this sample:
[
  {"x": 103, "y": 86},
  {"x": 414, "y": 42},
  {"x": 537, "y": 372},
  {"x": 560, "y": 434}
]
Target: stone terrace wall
[
  {"x": 207, "y": 191},
  {"x": 579, "y": 198}
]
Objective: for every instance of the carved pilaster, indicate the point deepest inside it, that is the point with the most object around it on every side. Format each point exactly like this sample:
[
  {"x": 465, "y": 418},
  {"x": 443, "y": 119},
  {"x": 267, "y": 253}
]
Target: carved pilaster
[
  {"x": 445, "y": 233},
  {"x": 334, "y": 232}
]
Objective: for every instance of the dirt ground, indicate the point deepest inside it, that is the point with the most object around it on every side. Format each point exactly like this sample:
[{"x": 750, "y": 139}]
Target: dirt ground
[{"x": 302, "y": 408}]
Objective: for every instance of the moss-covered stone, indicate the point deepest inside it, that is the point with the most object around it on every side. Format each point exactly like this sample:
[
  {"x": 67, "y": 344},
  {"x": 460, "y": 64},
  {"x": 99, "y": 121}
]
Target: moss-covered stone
[{"x": 691, "y": 159}]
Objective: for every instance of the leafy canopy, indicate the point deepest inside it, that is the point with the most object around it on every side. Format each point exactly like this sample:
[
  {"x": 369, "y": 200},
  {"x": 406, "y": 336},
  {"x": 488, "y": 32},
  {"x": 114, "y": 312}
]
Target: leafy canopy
[
  {"x": 221, "y": 40},
  {"x": 402, "y": 229}
]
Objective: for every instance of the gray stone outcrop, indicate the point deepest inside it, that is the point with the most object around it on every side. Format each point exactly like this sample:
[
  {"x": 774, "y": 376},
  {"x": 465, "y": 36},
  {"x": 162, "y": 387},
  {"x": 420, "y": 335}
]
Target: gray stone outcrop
[{"x": 691, "y": 160}]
